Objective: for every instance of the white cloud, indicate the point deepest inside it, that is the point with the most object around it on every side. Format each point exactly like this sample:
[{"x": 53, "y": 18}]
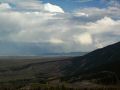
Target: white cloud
[
  {"x": 32, "y": 5},
  {"x": 80, "y": 14},
  {"x": 56, "y": 41},
  {"x": 106, "y": 24},
  {"x": 5, "y": 6},
  {"x": 53, "y": 8},
  {"x": 84, "y": 38},
  {"x": 95, "y": 12},
  {"x": 106, "y": 27}
]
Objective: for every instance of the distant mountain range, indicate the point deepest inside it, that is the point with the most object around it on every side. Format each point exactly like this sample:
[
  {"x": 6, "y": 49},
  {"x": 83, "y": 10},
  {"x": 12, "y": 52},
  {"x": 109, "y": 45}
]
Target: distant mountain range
[
  {"x": 101, "y": 66},
  {"x": 65, "y": 54},
  {"x": 34, "y": 49}
]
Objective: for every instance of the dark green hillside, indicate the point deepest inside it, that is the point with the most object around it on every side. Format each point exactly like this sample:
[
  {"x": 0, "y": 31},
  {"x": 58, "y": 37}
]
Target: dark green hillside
[{"x": 103, "y": 61}]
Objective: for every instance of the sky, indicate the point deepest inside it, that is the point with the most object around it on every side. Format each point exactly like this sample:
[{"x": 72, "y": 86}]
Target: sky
[{"x": 33, "y": 27}]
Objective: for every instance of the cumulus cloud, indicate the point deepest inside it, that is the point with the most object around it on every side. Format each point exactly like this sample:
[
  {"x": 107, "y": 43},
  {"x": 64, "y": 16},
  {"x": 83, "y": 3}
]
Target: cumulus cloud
[
  {"x": 84, "y": 38},
  {"x": 53, "y": 8},
  {"x": 104, "y": 31},
  {"x": 32, "y": 6},
  {"x": 81, "y": 14},
  {"x": 106, "y": 24},
  {"x": 112, "y": 12},
  {"x": 39, "y": 23},
  {"x": 56, "y": 41},
  {"x": 5, "y": 6}
]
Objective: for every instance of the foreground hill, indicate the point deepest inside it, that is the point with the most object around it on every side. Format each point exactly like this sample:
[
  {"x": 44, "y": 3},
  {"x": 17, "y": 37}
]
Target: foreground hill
[{"x": 102, "y": 65}]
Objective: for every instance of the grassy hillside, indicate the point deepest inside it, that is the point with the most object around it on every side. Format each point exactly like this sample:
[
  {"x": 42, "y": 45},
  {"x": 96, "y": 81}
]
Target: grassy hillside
[{"x": 20, "y": 68}]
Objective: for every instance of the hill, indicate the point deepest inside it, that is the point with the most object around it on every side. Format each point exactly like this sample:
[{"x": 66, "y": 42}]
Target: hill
[{"x": 99, "y": 67}]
